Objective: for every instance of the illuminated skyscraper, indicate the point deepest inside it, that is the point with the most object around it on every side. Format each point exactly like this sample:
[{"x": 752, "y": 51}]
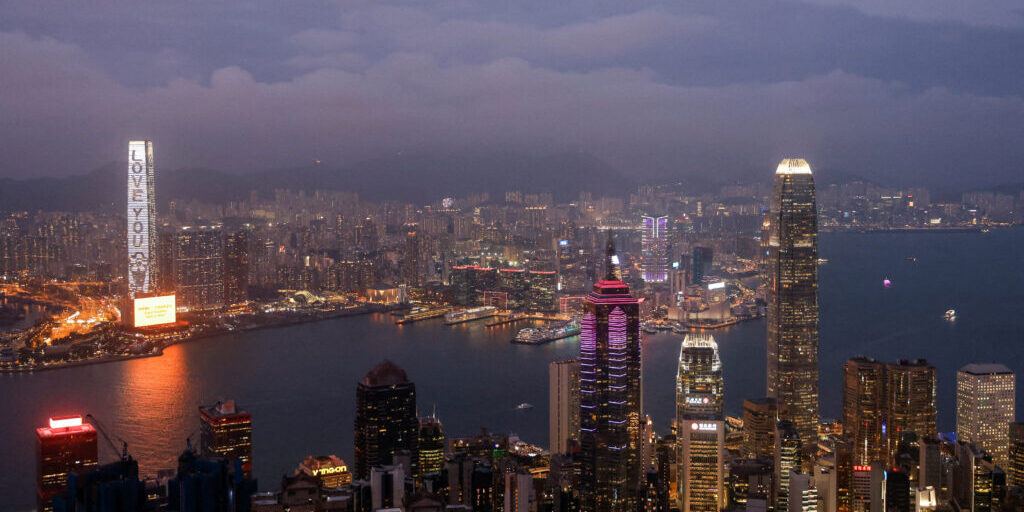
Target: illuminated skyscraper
[
  {"x": 610, "y": 395},
  {"x": 431, "y": 446},
  {"x": 909, "y": 401},
  {"x": 564, "y": 404},
  {"x": 864, "y": 409},
  {"x": 386, "y": 421},
  {"x": 700, "y": 429},
  {"x": 788, "y": 456},
  {"x": 760, "y": 417},
  {"x": 654, "y": 245},
  {"x": 226, "y": 431},
  {"x": 793, "y": 296},
  {"x": 985, "y": 407},
  {"x": 199, "y": 267},
  {"x": 142, "y": 233},
  {"x": 236, "y": 267},
  {"x": 66, "y": 445}
]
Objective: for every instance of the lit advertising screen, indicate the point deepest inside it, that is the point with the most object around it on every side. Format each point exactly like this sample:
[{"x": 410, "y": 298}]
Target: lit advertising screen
[
  {"x": 154, "y": 311},
  {"x": 140, "y": 217}
]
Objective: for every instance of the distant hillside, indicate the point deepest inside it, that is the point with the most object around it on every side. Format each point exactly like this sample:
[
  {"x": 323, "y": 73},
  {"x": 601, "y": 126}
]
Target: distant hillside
[{"x": 413, "y": 178}]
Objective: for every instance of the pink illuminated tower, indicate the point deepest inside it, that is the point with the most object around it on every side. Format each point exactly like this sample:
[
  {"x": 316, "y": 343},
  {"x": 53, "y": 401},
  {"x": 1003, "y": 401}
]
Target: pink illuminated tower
[{"x": 610, "y": 394}]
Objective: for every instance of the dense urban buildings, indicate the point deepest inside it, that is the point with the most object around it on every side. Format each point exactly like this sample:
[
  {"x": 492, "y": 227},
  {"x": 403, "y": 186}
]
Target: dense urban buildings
[
  {"x": 760, "y": 417},
  {"x": 792, "y": 295},
  {"x": 65, "y": 445},
  {"x": 226, "y": 431},
  {"x": 199, "y": 267},
  {"x": 386, "y": 424},
  {"x": 610, "y": 394},
  {"x": 985, "y": 407},
  {"x": 654, "y": 252},
  {"x": 563, "y": 404}
]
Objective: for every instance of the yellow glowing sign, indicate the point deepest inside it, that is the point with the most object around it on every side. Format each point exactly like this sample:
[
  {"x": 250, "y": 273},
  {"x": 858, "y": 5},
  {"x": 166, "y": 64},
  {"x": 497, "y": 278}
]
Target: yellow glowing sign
[
  {"x": 154, "y": 311},
  {"x": 330, "y": 471}
]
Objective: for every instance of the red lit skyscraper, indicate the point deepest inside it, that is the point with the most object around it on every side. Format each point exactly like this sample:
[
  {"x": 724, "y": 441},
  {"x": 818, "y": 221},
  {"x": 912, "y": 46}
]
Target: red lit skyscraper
[
  {"x": 66, "y": 445},
  {"x": 610, "y": 395},
  {"x": 227, "y": 432}
]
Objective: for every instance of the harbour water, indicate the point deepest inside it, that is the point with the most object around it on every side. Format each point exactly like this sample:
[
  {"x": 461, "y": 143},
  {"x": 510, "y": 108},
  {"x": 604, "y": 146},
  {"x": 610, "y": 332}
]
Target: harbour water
[{"x": 299, "y": 381}]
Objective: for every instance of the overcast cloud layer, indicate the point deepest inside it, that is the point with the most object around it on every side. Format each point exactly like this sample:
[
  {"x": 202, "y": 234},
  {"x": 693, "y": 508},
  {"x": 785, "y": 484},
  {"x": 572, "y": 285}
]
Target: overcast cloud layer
[{"x": 924, "y": 91}]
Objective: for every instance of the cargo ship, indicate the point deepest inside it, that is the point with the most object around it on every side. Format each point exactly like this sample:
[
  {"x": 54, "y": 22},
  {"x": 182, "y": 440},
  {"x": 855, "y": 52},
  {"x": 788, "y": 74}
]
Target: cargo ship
[
  {"x": 468, "y": 315},
  {"x": 547, "y": 333}
]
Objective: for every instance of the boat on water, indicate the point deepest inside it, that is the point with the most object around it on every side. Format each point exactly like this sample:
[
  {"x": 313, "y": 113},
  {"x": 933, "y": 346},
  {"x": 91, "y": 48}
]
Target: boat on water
[
  {"x": 547, "y": 333},
  {"x": 950, "y": 315},
  {"x": 524, "y": 406},
  {"x": 468, "y": 315},
  {"x": 911, "y": 258},
  {"x": 649, "y": 329},
  {"x": 822, "y": 261}
]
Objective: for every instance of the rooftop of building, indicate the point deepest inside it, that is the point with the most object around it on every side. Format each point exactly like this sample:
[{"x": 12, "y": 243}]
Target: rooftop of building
[
  {"x": 385, "y": 374},
  {"x": 222, "y": 408},
  {"x": 985, "y": 368},
  {"x": 793, "y": 166}
]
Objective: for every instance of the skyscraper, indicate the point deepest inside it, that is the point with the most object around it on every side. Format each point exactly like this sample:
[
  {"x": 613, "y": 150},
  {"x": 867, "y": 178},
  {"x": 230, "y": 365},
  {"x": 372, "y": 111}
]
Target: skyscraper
[
  {"x": 909, "y": 401},
  {"x": 610, "y": 394},
  {"x": 793, "y": 296},
  {"x": 702, "y": 260},
  {"x": 760, "y": 417},
  {"x": 386, "y": 422},
  {"x": 654, "y": 247},
  {"x": 564, "y": 404},
  {"x": 864, "y": 409},
  {"x": 700, "y": 429},
  {"x": 788, "y": 456},
  {"x": 431, "y": 446},
  {"x": 199, "y": 267},
  {"x": 985, "y": 407},
  {"x": 1015, "y": 468},
  {"x": 236, "y": 267},
  {"x": 142, "y": 234},
  {"x": 65, "y": 445},
  {"x": 226, "y": 431}
]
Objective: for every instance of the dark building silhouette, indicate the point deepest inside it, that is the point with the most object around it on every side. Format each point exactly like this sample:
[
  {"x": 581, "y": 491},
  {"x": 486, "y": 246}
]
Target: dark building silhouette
[
  {"x": 702, "y": 258},
  {"x": 386, "y": 421},
  {"x": 236, "y": 267}
]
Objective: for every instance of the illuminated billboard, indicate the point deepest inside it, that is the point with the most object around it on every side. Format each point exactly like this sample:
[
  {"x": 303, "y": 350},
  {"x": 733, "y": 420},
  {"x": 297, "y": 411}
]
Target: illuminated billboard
[
  {"x": 154, "y": 311},
  {"x": 141, "y": 218}
]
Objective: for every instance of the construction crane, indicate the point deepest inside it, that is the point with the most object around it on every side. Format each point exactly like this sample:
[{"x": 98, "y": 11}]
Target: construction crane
[{"x": 124, "y": 444}]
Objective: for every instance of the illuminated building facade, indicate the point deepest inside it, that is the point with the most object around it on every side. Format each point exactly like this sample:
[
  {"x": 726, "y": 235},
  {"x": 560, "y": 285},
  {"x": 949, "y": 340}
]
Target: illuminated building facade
[
  {"x": 564, "y": 404},
  {"x": 788, "y": 456},
  {"x": 701, "y": 465},
  {"x": 864, "y": 409},
  {"x": 199, "y": 267},
  {"x": 226, "y": 431},
  {"x": 793, "y": 296},
  {"x": 386, "y": 421},
  {"x": 654, "y": 247},
  {"x": 610, "y": 395},
  {"x": 431, "y": 446},
  {"x": 909, "y": 401},
  {"x": 760, "y": 417},
  {"x": 330, "y": 470},
  {"x": 65, "y": 445},
  {"x": 142, "y": 233},
  {"x": 534, "y": 290},
  {"x": 985, "y": 407},
  {"x": 236, "y": 267},
  {"x": 699, "y": 384}
]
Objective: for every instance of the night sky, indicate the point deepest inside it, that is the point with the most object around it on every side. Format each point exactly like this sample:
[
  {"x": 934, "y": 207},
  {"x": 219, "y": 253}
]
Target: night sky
[{"x": 920, "y": 92}]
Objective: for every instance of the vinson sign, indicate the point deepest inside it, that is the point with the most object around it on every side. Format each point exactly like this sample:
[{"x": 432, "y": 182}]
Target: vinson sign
[{"x": 141, "y": 218}]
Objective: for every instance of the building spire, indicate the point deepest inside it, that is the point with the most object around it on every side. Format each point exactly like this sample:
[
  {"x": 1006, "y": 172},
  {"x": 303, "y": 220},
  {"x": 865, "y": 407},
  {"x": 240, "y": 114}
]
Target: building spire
[{"x": 611, "y": 261}]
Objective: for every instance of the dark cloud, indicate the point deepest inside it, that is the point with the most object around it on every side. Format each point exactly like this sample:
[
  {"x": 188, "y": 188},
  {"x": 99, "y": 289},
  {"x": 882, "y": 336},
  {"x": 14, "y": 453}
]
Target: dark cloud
[{"x": 654, "y": 89}]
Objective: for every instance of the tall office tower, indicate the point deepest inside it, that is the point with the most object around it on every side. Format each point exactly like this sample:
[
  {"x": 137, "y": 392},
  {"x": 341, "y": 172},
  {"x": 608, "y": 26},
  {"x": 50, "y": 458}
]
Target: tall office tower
[
  {"x": 760, "y": 417},
  {"x": 431, "y": 446},
  {"x": 142, "y": 234},
  {"x": 929, "y": 463},
  {"x": 909, "y": 402},
  {"x": 411, "y": 263},
  {"x": 66, "y": 445},
  {"x": 701, "y": 462},
  {"x": 563, "y": 404},
  {"x": 793, "y": 296},
  {"x": 843, "y": 450},
  {"x": 980, "y": 483},
  {"x": 236, "y": 267},
  {"x": 863, "y": 409},
  {"x": 1015, "y": 468},
  {"x": 699, "y": 385},
  {"x": 654, "y": 247},
  {"x": 985, "y": 400},
  {"x": 386, "y": 421},
  {"x": 610, "y": 394},
  {"x": 788, "y": 448},
  {"x": 703, "y": 257},
  {"x": 226, "y": 431},
  {"x": 199, "y": 267}
]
